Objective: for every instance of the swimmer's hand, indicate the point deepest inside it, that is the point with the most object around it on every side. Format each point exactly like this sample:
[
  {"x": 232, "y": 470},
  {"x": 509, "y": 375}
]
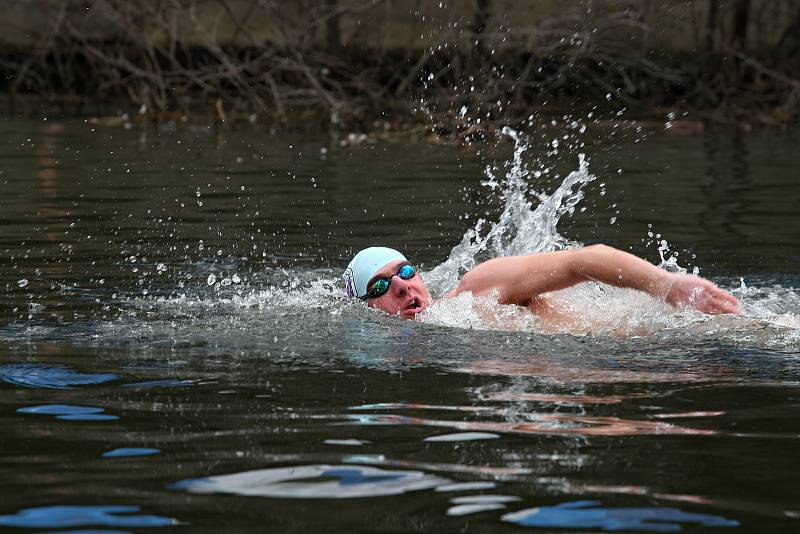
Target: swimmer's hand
[{"x": 700, "y": 294}]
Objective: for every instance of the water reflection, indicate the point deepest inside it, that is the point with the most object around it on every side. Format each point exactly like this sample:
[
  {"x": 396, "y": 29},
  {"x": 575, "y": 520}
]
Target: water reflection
[
  {"x": 79, "y": 516},
  {"x": 640, "y": 490},
  {"x": 590, "y": 514},
  {"x": 557, "y": 399},
  {"x": 50, "y": 206},
  {"x": 315, "y": 482},
  {"x": 487, "y": 471},
  {"x": 466, "y": 486},
  {"x": 125, "y": 452},
  {"x": 573, "y": 372},
  {"x": 472, "y": 504},
  {"x": 466, "y": 509},
  {"x": 726, "y": 176},
  {"x": 164, "y": 383},
  {"x": 542, "y": 423},
  {"x": 347, "y": 442},
  {"x": 43, "y": 375},
  {"x": 67, "y": 412},
  {"x": 462, "y": 436}
]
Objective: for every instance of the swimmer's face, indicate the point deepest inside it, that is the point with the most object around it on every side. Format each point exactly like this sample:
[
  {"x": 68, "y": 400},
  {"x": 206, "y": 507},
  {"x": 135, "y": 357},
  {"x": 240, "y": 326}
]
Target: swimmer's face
[{"x": 405, "y": 298}]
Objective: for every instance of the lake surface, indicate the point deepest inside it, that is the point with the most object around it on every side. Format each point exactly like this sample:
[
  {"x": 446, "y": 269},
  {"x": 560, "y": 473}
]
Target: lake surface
[{"x": 176, "y": 351}]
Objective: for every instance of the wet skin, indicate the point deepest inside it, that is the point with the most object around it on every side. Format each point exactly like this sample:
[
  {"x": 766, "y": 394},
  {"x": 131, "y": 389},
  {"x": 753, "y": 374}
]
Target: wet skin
[
  {"x": 405, "y": 298},
  {"x": 521, "y": 280}
]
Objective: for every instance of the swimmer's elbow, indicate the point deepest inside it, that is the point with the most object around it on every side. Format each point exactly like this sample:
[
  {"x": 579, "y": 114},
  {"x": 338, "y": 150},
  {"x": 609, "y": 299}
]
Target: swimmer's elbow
[
  {"x": 595, "y": 252},
  {"x": 584, "y": 261}
]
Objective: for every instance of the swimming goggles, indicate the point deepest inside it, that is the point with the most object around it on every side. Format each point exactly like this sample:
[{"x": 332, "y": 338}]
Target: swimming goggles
[{"x": 381, "y": 285}]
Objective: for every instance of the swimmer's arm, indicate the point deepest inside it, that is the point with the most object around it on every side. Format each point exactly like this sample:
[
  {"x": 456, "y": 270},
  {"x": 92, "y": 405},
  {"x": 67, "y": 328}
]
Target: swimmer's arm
[{"x": 520, "y": 279}]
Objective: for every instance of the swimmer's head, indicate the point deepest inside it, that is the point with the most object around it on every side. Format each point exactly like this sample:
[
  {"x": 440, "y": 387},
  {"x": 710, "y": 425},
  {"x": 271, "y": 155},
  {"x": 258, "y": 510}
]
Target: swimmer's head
[{"x": 386, "y": 280}]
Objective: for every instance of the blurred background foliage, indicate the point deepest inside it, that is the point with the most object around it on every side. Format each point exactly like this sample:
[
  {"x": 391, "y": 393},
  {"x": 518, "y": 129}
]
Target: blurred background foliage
[{"x": 351, "y": 62}]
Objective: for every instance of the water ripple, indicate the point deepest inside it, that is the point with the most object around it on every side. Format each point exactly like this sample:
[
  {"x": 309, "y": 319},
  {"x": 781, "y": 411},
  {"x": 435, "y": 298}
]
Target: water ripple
[
  {"x": 560, "y": 400},
  {"x": 77, "y": 516},
  {"x": 588, "y": 514},
  {"x": 69, "y": 412},
  {"x": 315, "y": 482},
  {"x": 543, "y": 424},
  {"x": 471, "y": 504},
  {"x": 125, "y": 452},
  {"x": 466, "y": 509},
  {"x": 462, "y": 436},
  {"x": 166, "y": 383},
  {"x": 54, "y": 376},
  {"x": 347, "y": 442}
]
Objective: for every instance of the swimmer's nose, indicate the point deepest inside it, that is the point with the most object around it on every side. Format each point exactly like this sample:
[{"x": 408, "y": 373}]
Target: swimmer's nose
[{"x": 400, "y": 286}]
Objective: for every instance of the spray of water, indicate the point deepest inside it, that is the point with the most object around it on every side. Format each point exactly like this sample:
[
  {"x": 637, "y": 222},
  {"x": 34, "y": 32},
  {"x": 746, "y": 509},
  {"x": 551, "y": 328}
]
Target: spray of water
[
  {"x": 522, "y": 228},
  {"x": 528, "y": 224}
]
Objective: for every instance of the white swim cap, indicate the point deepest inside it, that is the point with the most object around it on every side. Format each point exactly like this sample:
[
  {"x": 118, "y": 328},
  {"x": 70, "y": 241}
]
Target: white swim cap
[{"x": 363, "y": 267}]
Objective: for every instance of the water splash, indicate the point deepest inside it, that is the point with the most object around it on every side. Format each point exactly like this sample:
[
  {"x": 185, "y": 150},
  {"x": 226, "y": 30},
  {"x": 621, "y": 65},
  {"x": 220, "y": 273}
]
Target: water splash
[
  {"x": 521, "y": 227},
  {"x": 528, "y": 224}
]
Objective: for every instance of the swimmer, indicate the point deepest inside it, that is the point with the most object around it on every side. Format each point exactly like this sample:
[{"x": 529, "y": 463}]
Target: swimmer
[{"x": 386, "y": 280}]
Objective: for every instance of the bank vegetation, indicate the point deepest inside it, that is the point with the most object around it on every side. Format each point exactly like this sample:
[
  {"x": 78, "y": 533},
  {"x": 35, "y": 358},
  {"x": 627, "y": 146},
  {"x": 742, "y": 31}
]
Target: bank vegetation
[{"x": 355, "y": 64}]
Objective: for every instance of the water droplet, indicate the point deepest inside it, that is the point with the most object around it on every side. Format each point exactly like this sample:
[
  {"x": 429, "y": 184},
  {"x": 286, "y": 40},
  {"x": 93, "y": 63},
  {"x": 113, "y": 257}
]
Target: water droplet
[
  {"x": 22, "y": 282},
  {"x": 212, "y": 279}
]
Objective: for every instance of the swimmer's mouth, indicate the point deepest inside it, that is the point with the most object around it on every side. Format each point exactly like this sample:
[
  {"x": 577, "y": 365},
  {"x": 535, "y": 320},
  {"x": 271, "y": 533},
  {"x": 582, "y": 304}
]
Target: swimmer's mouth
[{"x": 412, "y": 308}]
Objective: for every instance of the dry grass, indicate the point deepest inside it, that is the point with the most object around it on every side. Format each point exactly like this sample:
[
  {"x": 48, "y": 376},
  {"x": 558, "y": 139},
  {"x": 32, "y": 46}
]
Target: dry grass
[{"x": 352, "y": 61}]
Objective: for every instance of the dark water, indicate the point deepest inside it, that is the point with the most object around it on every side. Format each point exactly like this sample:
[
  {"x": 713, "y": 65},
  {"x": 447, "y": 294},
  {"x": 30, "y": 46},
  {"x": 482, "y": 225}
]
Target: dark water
[{"x": 174, "y": 352}]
